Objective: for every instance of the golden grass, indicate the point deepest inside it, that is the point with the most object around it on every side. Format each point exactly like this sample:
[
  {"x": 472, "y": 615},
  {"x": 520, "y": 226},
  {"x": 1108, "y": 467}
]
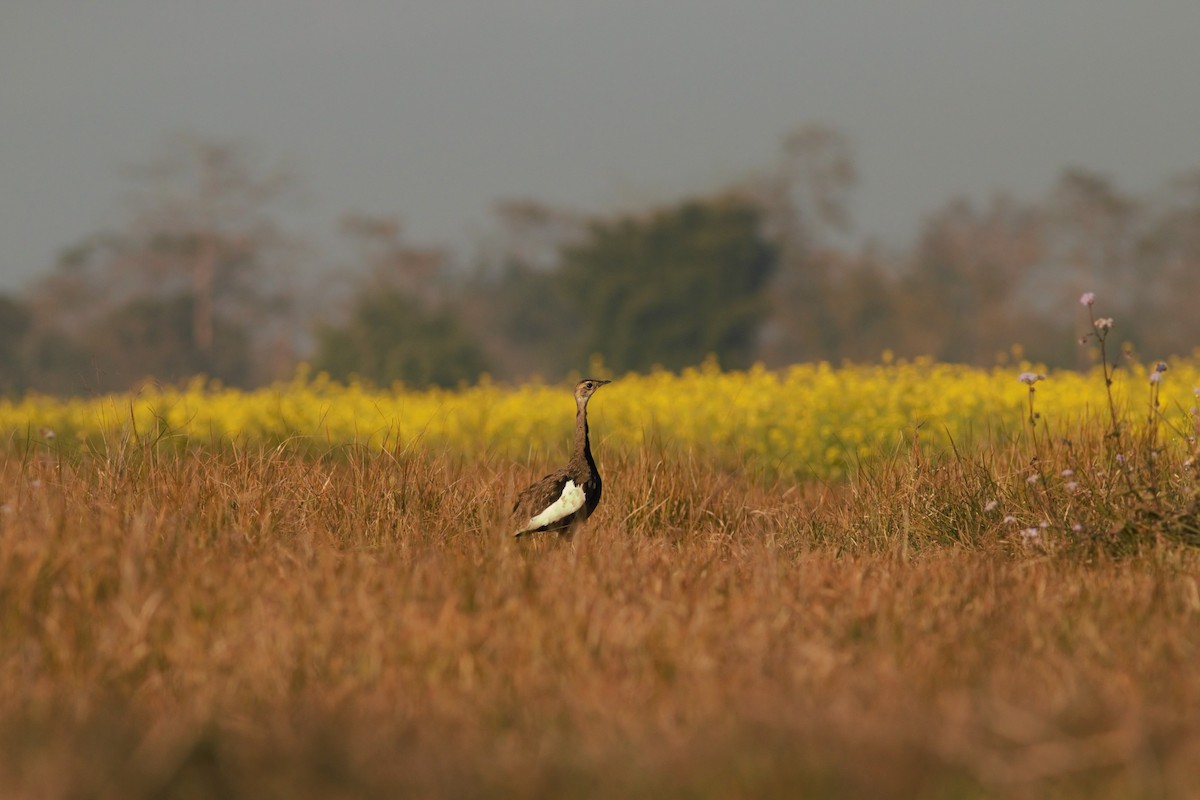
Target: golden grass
[{"x": 262, "y": 623}]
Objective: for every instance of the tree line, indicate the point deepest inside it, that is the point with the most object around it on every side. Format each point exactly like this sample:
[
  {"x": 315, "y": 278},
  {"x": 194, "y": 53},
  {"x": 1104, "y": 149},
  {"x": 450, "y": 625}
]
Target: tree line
[{"x": 204, "y": 278}]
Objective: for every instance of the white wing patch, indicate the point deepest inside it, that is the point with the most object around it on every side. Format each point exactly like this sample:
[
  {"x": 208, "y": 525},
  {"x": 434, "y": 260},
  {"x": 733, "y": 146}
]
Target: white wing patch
[{"x": 570, "y": 501}]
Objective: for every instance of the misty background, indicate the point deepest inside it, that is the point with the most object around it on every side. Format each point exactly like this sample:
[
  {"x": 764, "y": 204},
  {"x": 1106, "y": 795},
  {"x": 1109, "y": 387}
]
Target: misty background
[{"x": 426, "y": 191}]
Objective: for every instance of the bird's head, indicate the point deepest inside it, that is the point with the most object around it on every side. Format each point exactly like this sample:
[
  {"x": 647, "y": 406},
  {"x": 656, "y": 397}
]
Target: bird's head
[{"x": 586, "y": 388}]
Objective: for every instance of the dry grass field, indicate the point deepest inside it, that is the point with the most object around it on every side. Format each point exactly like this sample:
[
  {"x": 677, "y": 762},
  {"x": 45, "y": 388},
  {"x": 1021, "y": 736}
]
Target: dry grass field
[{"x": 262, "y": 623}]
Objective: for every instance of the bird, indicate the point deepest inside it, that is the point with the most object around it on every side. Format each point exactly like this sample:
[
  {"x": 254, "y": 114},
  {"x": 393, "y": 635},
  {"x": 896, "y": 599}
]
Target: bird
[{"x": 562, "y": 500}]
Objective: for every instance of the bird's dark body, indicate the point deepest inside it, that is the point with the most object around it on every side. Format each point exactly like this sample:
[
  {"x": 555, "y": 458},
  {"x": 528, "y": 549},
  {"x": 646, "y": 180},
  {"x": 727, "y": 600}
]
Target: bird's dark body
[
  {"x": 553, "y": 503},
  {"x": 541, "y": 494}
]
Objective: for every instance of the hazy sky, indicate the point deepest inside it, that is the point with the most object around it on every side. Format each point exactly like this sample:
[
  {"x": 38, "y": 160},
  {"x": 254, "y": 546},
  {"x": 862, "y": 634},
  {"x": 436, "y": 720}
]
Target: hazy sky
[{"x": 433, "y": 110}]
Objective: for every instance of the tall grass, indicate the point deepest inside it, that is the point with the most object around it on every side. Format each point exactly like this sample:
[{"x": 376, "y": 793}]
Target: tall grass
[{"x": 261, "y": 623}]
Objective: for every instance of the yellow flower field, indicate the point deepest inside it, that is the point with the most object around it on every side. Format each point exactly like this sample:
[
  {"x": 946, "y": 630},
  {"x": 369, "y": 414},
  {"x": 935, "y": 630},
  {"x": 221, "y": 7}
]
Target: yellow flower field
[{"x": 809, "y": 419}]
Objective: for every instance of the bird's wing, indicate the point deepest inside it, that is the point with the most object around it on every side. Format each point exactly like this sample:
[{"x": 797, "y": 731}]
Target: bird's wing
[
  {"x": 536, "y": 496},
  {"x": 560, "y": 497}
]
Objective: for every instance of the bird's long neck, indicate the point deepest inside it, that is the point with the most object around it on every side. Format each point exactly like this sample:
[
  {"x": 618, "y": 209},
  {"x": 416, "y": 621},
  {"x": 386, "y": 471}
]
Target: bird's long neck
[{"x": 583, "y": 447}]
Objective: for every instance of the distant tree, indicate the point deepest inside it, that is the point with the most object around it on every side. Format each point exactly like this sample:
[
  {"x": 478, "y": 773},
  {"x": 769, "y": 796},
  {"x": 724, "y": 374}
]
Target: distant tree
[
  {"x": 401, "y": 325},
  {"x": 515, "y": 301},
  {"x": 807, "y": 194},
  {"x": 59, "y": 364},
  {"x": 671, "y": 287},
  {"x": 153, "y": 337},
  {"x": 202, "y": 239},
  {"x": 1091, "y": 230},
  {"x": 860, "y": 307},
  {"x": 390, "y": 337},
  {"x": 204, "y": 220},
  {"x": 527, "y": 320},
  {"x": 1168, "y": 264},
  {"x": 384, "y": 259},
  {"x": 970, "y": 289},
  {"x": 805, "y": 202},
  {"x": 15, "y": 322},
  {"x": 533, "y": 235}
]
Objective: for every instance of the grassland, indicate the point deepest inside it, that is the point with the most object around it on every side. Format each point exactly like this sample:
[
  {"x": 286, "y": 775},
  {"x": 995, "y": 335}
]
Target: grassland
[{"x": 1009, "y": 613}]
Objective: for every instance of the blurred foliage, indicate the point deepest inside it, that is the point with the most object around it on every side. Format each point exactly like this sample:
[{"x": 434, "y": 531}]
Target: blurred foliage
[
  {"x": 202, "y": 279},
  {"x": 390, "y": 337},
  {"x": 532, "y": 313},
  {"x": 154, "y": 337},
  {"x": 15, "y": 321},
  {"x": 192, "y": 281},
  {"x": 673, "y": 288}
]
